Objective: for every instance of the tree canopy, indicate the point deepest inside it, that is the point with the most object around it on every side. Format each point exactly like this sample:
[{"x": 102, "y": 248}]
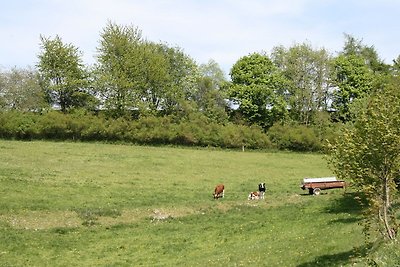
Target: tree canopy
[
  {"x": 62, "y": 72},
  {"x": 256, "y": 87},
  {"x": 136, "y": 74},
  {"x": 353, "y": 80},
  {"x": 20, "y": 90},
  {"x": 368, "y": 153},
  {"x": 307, "y": 72},
  {"x": 117, "y": 73}
]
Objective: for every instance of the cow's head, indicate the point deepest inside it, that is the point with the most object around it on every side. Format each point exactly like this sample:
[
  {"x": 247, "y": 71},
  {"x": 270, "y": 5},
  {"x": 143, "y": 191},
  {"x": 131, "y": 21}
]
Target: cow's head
[
  {"x": 217, "y": 195},
  {"x": 261, "y": 187}
]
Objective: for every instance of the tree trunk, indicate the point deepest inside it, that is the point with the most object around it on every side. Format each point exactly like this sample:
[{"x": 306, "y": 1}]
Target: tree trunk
[{"x": 385, "y": 207}]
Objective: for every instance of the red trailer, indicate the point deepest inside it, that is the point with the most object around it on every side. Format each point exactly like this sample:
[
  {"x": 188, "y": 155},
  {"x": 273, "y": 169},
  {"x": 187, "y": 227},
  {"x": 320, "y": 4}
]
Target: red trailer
[{"x": 315, "y": 185}]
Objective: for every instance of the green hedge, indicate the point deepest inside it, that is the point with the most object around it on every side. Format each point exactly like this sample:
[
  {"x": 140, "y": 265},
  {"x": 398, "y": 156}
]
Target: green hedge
[
  {"x": 296, "y": 137},
  {"x": 193, "y": 131}
]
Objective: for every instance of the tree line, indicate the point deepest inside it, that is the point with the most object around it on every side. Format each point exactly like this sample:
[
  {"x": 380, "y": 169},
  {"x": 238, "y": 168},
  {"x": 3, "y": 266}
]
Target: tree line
[{"x": 297, "y": 96}]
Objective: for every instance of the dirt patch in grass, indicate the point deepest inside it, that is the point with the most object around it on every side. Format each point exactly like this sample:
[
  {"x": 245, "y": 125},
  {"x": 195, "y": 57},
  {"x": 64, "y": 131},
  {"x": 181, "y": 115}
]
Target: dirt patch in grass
[
  {"x": 39, "y": 220},
  {"x": 161, "y": 214}
]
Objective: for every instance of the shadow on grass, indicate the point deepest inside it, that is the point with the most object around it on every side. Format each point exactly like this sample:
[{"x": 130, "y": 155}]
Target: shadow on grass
[
  {"x": 349, "y": 203},
  {"x": 339, "y": 259}
]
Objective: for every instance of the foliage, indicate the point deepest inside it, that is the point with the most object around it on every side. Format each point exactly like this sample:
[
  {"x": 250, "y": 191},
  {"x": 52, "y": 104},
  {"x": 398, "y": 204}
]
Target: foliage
[
  {"x": 353, "y": 80},
  {"x": 135, "y": 74},
  {"x": 368, "y": 154},
  {"x": 183, "y": 75},
  {"x": 356, "y": 72},
  {"x": 295, "y": 137},
  {"x": 194, "y": 130},
  {"x": 14, "y": 124},
  {"x": 307, "y": 71},
  {"x": 138, "y": 82},
  {"x": 20, "y": 90},
  {"x": 197, "y": 130},
  {"x": 255, "y": 85},
  {"x": 210, "y": 96},
  {"x": 355, "y": 47},
  {"x": 62, "y": 74},
  {"x": 118, "y": 67}
]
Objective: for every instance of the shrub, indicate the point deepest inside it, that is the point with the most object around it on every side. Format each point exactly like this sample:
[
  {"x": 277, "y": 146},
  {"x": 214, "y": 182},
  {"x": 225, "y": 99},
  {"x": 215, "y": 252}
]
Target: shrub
[
  {"x": 95, "y": 129},
  {"x": 295, "y": 137},
  {"x": 194, "y": 130},
  {"x": 18, "y": 125},
  {"x": 53, "y": 125}
]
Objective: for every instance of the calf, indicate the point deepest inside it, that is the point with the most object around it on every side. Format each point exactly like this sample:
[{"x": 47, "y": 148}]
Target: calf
[
  {"x": 219, "y": 191},
  {"x": 261, "y": 189},
  {"x": 254, "y": 195}
]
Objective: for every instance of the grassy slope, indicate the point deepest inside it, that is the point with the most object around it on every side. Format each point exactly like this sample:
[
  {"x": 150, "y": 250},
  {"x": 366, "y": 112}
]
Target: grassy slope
[{"x": 66, "y": 204}]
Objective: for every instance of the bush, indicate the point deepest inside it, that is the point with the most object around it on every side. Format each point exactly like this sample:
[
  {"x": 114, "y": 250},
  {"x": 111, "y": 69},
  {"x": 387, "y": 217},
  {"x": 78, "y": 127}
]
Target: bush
[
  {"x": 18, "y": 125},
  {"x": 53, "y": 125},
  {"x": 295, "y": 137},
  {"x": 152, "y": 130},
  {"x": 95, "y": 129},
  {"x": 195, "y": 130}
]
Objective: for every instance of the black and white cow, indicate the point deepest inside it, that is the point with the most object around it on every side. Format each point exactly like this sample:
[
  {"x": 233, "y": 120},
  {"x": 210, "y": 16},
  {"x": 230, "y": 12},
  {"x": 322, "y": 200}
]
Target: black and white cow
[
  {"x": 261, "y": 189},
  {"x": 258, "y": 194}
]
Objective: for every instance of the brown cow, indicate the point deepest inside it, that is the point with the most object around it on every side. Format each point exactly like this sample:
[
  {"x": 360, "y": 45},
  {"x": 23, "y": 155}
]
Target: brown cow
[
  {"x": 254, "y": 195},
  {"x": 219, "y": 191}
]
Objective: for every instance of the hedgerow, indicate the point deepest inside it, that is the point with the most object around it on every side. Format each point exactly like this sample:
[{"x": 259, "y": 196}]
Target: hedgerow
[{"x": 195, "y": 130}]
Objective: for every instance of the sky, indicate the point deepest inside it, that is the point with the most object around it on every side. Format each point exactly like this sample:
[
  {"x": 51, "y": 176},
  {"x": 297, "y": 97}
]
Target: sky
[{"x": 221, "y": 30}]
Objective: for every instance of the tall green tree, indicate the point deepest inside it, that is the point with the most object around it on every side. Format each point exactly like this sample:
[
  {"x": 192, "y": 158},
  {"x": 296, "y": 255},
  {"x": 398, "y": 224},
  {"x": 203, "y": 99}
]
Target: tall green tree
[
  {"x": 211, "y": 93},
  {"x": 257, "y": 88},
  {"x": 20, "y": 90},
  {"x": 154, "y": 79},
  {"x": 62, "y": 73},
  {"x": 212, "y": 70},
  {"x": 180, "y": 84},
  {"x": 368, "y": 155},
  {"x": 356, "y": 72},
  {"x": 356, "y": 47},
  {"x": 118, "y": 74},
  {"x": 353, "y": 79},
  {"x": 136, "y": 74},
  {"x": 307, "y": 70}
]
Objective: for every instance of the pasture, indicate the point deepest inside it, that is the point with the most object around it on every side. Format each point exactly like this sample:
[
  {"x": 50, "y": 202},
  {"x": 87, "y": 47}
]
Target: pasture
[{"x": 92, "y": 204}]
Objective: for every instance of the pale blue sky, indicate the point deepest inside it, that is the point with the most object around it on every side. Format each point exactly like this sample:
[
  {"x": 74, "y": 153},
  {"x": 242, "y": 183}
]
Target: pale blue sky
[{"x": 223, "y": 30}]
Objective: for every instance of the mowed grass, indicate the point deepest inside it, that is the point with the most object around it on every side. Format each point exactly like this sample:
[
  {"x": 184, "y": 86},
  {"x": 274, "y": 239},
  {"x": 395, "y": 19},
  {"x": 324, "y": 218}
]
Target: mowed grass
[{"x": 80, "y": 204}]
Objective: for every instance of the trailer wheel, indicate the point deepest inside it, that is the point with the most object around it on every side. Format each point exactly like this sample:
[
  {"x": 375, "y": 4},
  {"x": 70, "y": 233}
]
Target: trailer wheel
[
  {"x": 316, "y": 191},
  {"x": 310, "y": 191}
]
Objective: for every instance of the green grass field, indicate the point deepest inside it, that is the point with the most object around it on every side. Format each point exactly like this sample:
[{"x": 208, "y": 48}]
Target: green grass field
[{"x": 79, "y": 204}]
